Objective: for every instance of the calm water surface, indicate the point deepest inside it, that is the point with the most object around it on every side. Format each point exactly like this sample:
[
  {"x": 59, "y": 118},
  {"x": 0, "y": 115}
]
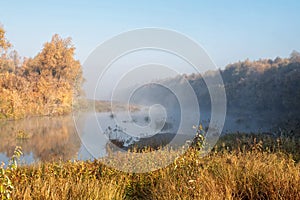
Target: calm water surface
[{"x": 58, "y": 138}]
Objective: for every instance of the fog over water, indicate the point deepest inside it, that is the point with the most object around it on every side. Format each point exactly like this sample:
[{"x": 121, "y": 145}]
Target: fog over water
[
  {"x": 56, "y": 138},
  {"x": 167, "y": 106}
]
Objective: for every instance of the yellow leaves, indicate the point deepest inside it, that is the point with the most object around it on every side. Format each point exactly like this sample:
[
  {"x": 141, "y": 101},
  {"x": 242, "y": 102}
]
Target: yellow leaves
[
  {"x": 4, "y": 44},
  {"x": 44, "y": 85},
  {"x": 11, "y": 104},
  {"x": 57, "y": 54},
  {"x": 43, "y": 96},
  {"x": 56, "y": 60}
]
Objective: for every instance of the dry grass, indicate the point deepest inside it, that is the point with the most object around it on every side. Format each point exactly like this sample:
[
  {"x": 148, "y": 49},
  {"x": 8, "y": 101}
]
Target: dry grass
[{"x": 250, "y": 171}]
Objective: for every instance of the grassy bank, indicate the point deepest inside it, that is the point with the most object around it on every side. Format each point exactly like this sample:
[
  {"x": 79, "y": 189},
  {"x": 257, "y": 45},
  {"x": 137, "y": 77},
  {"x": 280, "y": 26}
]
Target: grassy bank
[
  {"x": 102, "y": 106},
  {"x": 240, "y": 167}
]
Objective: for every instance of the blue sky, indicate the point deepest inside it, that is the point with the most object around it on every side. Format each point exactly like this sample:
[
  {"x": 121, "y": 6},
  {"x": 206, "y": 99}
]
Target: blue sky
[{"x": 228, "y": 30}]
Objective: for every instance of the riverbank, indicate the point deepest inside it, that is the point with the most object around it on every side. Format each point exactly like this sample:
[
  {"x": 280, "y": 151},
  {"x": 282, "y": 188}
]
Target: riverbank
[
  {"x": 87, "y": 105},
  {"x": 240, "y": 167}
]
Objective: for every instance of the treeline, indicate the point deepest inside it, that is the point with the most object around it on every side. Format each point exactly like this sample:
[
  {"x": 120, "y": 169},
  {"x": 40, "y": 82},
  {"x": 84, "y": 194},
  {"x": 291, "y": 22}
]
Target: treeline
[
  {"x": 43, "y": 85},
  {"x": 267, "y": 89}
]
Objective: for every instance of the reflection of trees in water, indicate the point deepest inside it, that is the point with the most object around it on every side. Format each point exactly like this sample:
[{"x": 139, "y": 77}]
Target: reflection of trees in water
[{"x": 49, "y": 138}]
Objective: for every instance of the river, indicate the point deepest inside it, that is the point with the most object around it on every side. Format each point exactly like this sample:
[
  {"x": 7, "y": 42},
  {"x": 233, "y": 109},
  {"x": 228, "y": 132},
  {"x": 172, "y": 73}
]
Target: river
[{"x": 85, "y": 136}]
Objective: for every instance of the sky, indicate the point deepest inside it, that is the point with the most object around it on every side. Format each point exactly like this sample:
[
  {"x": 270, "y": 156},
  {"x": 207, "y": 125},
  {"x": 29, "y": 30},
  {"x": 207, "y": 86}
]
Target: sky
[{"x": 228, "y": 30}]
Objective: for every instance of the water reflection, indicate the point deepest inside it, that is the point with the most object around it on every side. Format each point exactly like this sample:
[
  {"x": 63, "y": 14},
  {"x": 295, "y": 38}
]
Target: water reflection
[
  {"x": 45, "y": 138},
  {"x": 56, "y": 138}
]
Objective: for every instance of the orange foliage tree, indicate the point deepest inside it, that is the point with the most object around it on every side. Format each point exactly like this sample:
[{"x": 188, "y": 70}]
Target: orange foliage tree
[{"x": 43, "y": 85}]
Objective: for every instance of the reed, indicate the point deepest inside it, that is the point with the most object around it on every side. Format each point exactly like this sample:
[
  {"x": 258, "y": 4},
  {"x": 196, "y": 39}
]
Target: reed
[{"x": 254, "y": 168}]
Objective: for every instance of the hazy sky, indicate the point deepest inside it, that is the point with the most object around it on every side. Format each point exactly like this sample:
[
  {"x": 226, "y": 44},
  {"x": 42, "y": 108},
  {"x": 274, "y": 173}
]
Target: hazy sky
[{"x": 228, "y": 30}]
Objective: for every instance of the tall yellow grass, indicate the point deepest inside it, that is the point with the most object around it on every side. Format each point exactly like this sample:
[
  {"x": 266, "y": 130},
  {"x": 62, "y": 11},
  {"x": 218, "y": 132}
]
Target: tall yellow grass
[{"x": 250, "y": 169}]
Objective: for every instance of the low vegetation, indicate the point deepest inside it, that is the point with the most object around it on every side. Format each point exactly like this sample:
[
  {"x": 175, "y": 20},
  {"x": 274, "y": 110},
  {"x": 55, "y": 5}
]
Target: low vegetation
[
  {"x": 86, "y": 105},
  {"x": 240, "y": 167}
]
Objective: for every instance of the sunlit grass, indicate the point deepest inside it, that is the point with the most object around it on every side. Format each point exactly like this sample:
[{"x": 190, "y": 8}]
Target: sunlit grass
[{"x": 240, "y": 167}]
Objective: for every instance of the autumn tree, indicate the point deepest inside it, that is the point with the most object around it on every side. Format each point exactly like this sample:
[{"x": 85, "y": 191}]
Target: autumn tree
[
  {"x": 43, "y": 85},
  {"x": 6, "y": 65},
  {"x": 4, "y": 44},
  {"x": 57, "y": 61},
  {"x": 58, "y": 73}
]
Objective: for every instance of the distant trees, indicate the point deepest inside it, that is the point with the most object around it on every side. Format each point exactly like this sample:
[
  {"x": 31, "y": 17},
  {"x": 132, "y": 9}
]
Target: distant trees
[
  {"x": 265, "y": 85},
  {"x": 268, "y": 89},
  {"x": 295, "y": 56},
  {"x": 43, "y": 85}
]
